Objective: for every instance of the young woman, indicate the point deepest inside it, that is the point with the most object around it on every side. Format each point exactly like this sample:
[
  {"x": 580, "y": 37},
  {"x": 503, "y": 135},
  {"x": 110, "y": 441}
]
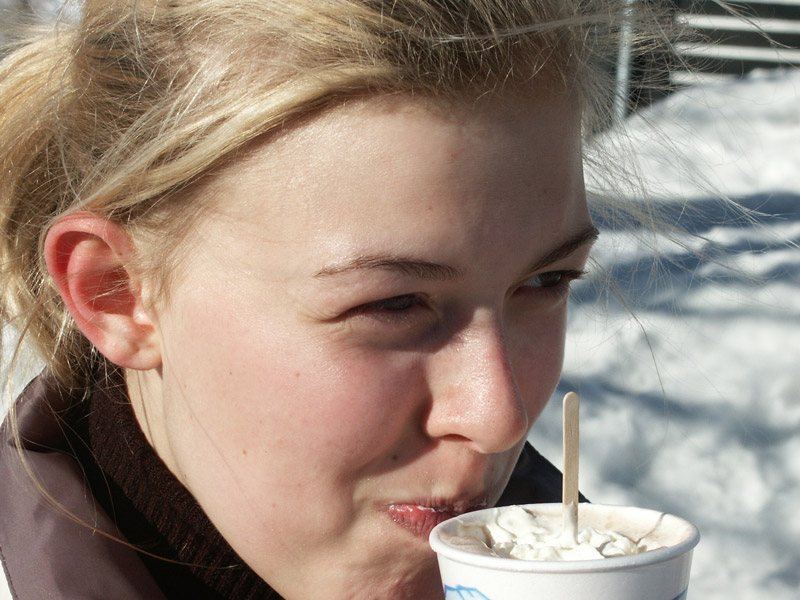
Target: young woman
[{"x": 299, "y": 270}]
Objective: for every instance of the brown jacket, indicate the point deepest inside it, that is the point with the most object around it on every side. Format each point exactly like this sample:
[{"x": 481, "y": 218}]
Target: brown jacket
[{"x": 45, "y": 553}]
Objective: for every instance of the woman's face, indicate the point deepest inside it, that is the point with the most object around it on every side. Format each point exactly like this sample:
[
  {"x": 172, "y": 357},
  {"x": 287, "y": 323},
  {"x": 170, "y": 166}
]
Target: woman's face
[{"x": 365, "y": 327}]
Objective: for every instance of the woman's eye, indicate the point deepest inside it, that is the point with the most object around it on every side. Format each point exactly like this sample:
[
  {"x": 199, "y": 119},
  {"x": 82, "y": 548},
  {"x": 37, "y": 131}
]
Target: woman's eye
[
  {"x": 395, "y": 321},
  {"x": 390, "y": 307},
  {"x": 553, "y": 279},
  {"x": 396, "y": 304},
  {"x": 544, "y": 280}
]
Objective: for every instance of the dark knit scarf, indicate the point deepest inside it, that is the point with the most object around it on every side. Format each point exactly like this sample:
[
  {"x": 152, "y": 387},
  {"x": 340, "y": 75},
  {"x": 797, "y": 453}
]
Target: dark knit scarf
[{"x": 155, "y": 512}]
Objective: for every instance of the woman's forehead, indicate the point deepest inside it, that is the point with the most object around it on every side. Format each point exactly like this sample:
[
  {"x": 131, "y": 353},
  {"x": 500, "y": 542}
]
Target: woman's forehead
[
  {"x": 377, "y": 179},
  {"x": 401, "y": 126}
]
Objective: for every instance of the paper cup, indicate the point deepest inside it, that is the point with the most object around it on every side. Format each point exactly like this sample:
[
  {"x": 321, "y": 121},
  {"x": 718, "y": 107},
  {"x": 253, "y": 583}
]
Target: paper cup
[{"x": 661, "y": 574}]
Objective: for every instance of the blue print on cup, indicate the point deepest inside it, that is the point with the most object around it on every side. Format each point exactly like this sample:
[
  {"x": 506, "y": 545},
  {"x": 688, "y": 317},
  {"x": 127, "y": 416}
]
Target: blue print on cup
[{"x": 465, "y": 593}]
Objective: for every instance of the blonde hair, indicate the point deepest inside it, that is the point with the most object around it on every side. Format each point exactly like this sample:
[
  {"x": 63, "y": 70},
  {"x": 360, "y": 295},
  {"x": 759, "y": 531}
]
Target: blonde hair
[{"x": 124, "y": 110}]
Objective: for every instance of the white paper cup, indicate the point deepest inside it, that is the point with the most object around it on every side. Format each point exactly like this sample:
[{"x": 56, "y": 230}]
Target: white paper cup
[{"x": 661, "y": 574}]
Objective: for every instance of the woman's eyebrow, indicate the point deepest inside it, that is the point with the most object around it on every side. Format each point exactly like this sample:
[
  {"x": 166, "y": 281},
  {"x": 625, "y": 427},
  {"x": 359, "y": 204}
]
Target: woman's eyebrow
[
  {"x": 586, "y": 236},
  {"x": 422, "y": 269}
]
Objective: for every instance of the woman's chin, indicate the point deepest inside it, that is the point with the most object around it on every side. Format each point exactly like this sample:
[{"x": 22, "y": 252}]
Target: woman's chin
[
  {"x": 411, "y": 576},
  {"x": 425, "y": 584},
  {"x": 398, "y": 566}
]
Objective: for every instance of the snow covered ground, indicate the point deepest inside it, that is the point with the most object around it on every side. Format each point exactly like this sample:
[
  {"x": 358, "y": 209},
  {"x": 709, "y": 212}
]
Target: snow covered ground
[{"x": 693, "y": 405}]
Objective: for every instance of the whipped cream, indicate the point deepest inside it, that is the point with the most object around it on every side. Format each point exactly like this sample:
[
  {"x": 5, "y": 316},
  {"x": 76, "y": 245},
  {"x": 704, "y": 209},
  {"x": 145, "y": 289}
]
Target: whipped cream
[{"x": 516, "y": 532}]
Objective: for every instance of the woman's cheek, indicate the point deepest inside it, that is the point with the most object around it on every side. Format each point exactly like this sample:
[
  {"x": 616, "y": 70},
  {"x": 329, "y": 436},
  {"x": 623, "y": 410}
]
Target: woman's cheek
[
  {"x": 367, "y": 401},
  {"x": 538, "y": 364}
]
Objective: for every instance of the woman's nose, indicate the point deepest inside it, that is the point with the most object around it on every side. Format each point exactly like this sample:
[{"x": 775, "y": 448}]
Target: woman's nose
[{"x": 474, "y": 395}]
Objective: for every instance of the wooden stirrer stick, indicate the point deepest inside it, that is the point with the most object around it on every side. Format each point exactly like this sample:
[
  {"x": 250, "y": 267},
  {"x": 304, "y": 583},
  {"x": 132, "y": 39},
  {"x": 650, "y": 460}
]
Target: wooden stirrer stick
[{"x": 569, "y": 489}]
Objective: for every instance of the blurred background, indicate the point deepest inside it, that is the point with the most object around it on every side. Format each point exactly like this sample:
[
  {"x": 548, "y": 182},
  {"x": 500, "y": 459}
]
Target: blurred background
[
  {"x": 689, "y": 365},
  {"x": 689, "y": 369}
]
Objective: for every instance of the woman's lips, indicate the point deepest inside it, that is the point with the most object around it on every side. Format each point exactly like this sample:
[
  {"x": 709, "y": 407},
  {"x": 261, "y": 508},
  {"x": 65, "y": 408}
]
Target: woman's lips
[{"x": 420, "y": 519}]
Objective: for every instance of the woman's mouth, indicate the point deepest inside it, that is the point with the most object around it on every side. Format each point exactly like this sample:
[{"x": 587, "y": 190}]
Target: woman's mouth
[{"x": 420, "y": 519}]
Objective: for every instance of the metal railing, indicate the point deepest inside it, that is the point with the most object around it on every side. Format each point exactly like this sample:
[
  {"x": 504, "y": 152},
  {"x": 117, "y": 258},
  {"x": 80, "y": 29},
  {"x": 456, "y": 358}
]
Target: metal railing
[{"x": 748, "y": 34}]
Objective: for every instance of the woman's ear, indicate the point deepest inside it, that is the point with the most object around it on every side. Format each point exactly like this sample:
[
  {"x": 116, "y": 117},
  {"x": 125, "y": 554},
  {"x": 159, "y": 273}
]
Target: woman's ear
[{"x": 87, "y": 256}]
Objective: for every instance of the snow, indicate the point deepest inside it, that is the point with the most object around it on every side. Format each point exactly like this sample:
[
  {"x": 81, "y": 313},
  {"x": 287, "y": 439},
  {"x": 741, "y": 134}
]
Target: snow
[{"x": 692, "y": 405}]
